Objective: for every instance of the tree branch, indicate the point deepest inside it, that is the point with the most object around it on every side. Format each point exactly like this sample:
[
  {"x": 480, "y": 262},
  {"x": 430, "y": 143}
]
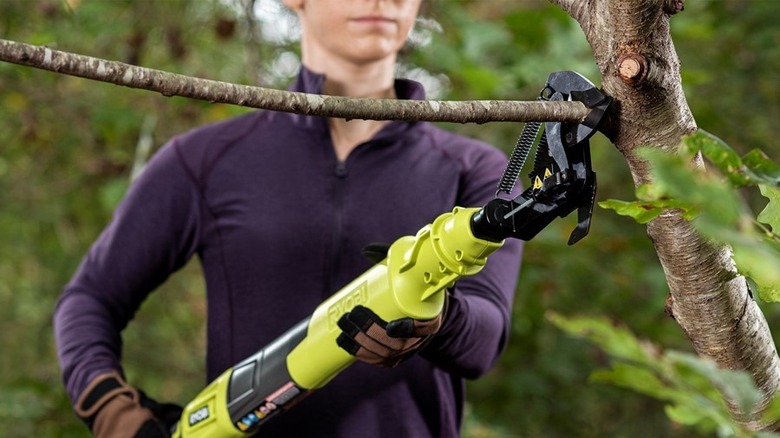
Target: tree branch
[{"x": 171, "y": 84}]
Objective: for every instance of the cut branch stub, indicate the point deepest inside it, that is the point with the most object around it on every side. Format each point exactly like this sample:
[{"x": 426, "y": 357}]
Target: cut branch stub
[{"x": 633, "y": 68}]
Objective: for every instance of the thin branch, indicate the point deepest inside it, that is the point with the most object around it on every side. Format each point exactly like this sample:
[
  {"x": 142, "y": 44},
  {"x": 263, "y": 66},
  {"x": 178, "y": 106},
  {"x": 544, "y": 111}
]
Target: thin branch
[
  {"x": 171, "y": 84},
  {"x": 253, "y": 47}
]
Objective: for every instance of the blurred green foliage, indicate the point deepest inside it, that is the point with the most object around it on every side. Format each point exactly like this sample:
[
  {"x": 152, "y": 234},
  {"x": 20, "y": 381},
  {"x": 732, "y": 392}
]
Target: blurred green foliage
[
  {"x": 68, "y": 146},
  {"x": 691, "y": 386},
  {"x": 753, "y": 239}
]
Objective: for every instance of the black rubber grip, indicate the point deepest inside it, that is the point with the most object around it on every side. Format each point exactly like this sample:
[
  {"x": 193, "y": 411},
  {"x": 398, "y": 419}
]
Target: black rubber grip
[{"x": 260, "y": 386}]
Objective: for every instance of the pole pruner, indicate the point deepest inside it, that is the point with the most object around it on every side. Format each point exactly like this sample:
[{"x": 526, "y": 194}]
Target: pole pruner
[{"x": 562, "y": 179}]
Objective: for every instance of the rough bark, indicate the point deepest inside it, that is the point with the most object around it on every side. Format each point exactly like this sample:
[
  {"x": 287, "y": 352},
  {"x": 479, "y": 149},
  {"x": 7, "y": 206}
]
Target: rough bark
[
  {"x": 710, "y": 301},
  {"x": 171, "y": 84}
]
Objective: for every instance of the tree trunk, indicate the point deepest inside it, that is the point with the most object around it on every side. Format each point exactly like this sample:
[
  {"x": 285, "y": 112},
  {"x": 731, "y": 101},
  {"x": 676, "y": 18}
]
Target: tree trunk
[{"x": 710, "y": 301}]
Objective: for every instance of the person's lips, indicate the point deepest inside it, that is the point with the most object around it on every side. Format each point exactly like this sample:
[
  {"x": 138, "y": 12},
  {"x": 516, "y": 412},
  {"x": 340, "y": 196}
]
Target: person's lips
[{"x": 373, "y": 20}]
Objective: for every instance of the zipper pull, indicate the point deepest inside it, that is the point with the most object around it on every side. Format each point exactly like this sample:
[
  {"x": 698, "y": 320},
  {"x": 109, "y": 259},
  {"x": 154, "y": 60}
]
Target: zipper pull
[{"x": 341, "y": 169}]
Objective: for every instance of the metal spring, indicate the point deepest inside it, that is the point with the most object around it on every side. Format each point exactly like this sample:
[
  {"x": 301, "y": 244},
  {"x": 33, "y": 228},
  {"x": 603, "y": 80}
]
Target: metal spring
[{"x": 518, "y": 157}]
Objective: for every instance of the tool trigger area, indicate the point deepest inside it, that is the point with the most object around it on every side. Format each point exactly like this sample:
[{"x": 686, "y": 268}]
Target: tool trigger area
[{"x": 562, "y": 179}]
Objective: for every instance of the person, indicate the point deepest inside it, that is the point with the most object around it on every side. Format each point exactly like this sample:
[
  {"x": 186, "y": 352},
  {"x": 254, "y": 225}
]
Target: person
[{"x": 277, "y": 207}]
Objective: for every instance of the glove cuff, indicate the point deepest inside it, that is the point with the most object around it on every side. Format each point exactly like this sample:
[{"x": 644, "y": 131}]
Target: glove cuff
[
  {"x": 113, "y": 409},
  {"x": 100, "y": 391}
]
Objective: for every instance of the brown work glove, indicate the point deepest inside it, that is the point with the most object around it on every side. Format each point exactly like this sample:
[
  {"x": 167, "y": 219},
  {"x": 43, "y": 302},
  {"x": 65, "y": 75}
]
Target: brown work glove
[
  {"x": 113, "y": 409},
  {"x": 372, "y": 340}
]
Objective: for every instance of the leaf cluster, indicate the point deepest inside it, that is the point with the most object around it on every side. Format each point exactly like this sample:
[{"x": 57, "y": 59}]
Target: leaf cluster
[
  {"x": 690, "y": 386},
  {"x": 713, "y": 204}
]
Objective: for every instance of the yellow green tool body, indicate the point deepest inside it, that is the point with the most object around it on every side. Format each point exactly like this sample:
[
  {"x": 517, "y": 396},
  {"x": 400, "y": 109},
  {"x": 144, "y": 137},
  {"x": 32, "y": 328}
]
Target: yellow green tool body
[{"x": 410, "y": 282}]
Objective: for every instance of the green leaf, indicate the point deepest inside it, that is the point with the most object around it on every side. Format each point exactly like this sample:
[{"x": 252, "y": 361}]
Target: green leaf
[
  {"x": 675, "y": 179},
  {"x": 754, "y": 168},
  {"x": 772, "y": 412},
  {"x": 759, "y": 262},
  {"x": 636, "y": 378},
  {"x": 763, "y": 168},
  {"x": 648, "y": 192},
  {"x": 771, "y": 213},
  {"x": 651, "y": 202},
  {"x": 685, "y": 414},
  {"x": 720, "y": 154},
  {"x": 645, "y": 211},
  {"x": 617, "y": 341},
  {"x": 737, "y": 386},
  {"x": 641, "y": 211}
]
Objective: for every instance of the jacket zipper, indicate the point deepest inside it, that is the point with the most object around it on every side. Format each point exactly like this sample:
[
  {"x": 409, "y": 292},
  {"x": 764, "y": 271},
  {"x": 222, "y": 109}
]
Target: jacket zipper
[{"x": 340, "y": 172}]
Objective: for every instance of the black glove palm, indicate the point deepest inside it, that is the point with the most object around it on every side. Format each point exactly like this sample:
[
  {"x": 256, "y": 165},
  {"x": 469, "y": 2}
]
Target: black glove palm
[{"x": 372, "y": 340}]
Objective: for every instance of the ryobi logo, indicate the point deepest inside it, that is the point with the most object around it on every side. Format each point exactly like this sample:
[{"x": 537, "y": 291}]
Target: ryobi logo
[
  {"x": 199, "y": 415},
  {"x": 359, "y": 295}
]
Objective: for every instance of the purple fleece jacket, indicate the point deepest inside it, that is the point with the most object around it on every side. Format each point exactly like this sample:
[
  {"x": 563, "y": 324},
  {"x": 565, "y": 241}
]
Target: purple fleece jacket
[{"x": 278, "y": 225}]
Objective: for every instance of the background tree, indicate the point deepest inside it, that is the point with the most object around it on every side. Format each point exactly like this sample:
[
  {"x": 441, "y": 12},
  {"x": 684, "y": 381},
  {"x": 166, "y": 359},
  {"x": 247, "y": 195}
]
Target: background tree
[{"x": 68, "y": 148}]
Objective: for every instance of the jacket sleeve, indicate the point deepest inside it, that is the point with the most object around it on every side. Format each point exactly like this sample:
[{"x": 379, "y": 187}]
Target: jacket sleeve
[
  {"x": 154, "y": 231},
  {"x": 476, "y": 327}
]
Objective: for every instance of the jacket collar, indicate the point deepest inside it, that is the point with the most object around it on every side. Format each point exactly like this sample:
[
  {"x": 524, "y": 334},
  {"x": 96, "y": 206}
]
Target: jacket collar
[{"x": 311, "y": 82}]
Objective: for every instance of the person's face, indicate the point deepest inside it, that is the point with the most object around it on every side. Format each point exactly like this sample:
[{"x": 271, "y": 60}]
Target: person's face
[{"x": 359, "y": 31}]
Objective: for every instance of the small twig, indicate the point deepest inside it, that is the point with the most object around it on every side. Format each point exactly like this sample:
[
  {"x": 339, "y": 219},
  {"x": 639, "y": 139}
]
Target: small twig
[
  {"x": 172, "y": 84},
  {"x": 144, "y": 145}
]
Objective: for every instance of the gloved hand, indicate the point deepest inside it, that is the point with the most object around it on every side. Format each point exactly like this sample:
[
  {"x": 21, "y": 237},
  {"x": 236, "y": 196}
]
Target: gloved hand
[
  {"x": 372, "y": 340},
  {"x": 113, "y": 409}
]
